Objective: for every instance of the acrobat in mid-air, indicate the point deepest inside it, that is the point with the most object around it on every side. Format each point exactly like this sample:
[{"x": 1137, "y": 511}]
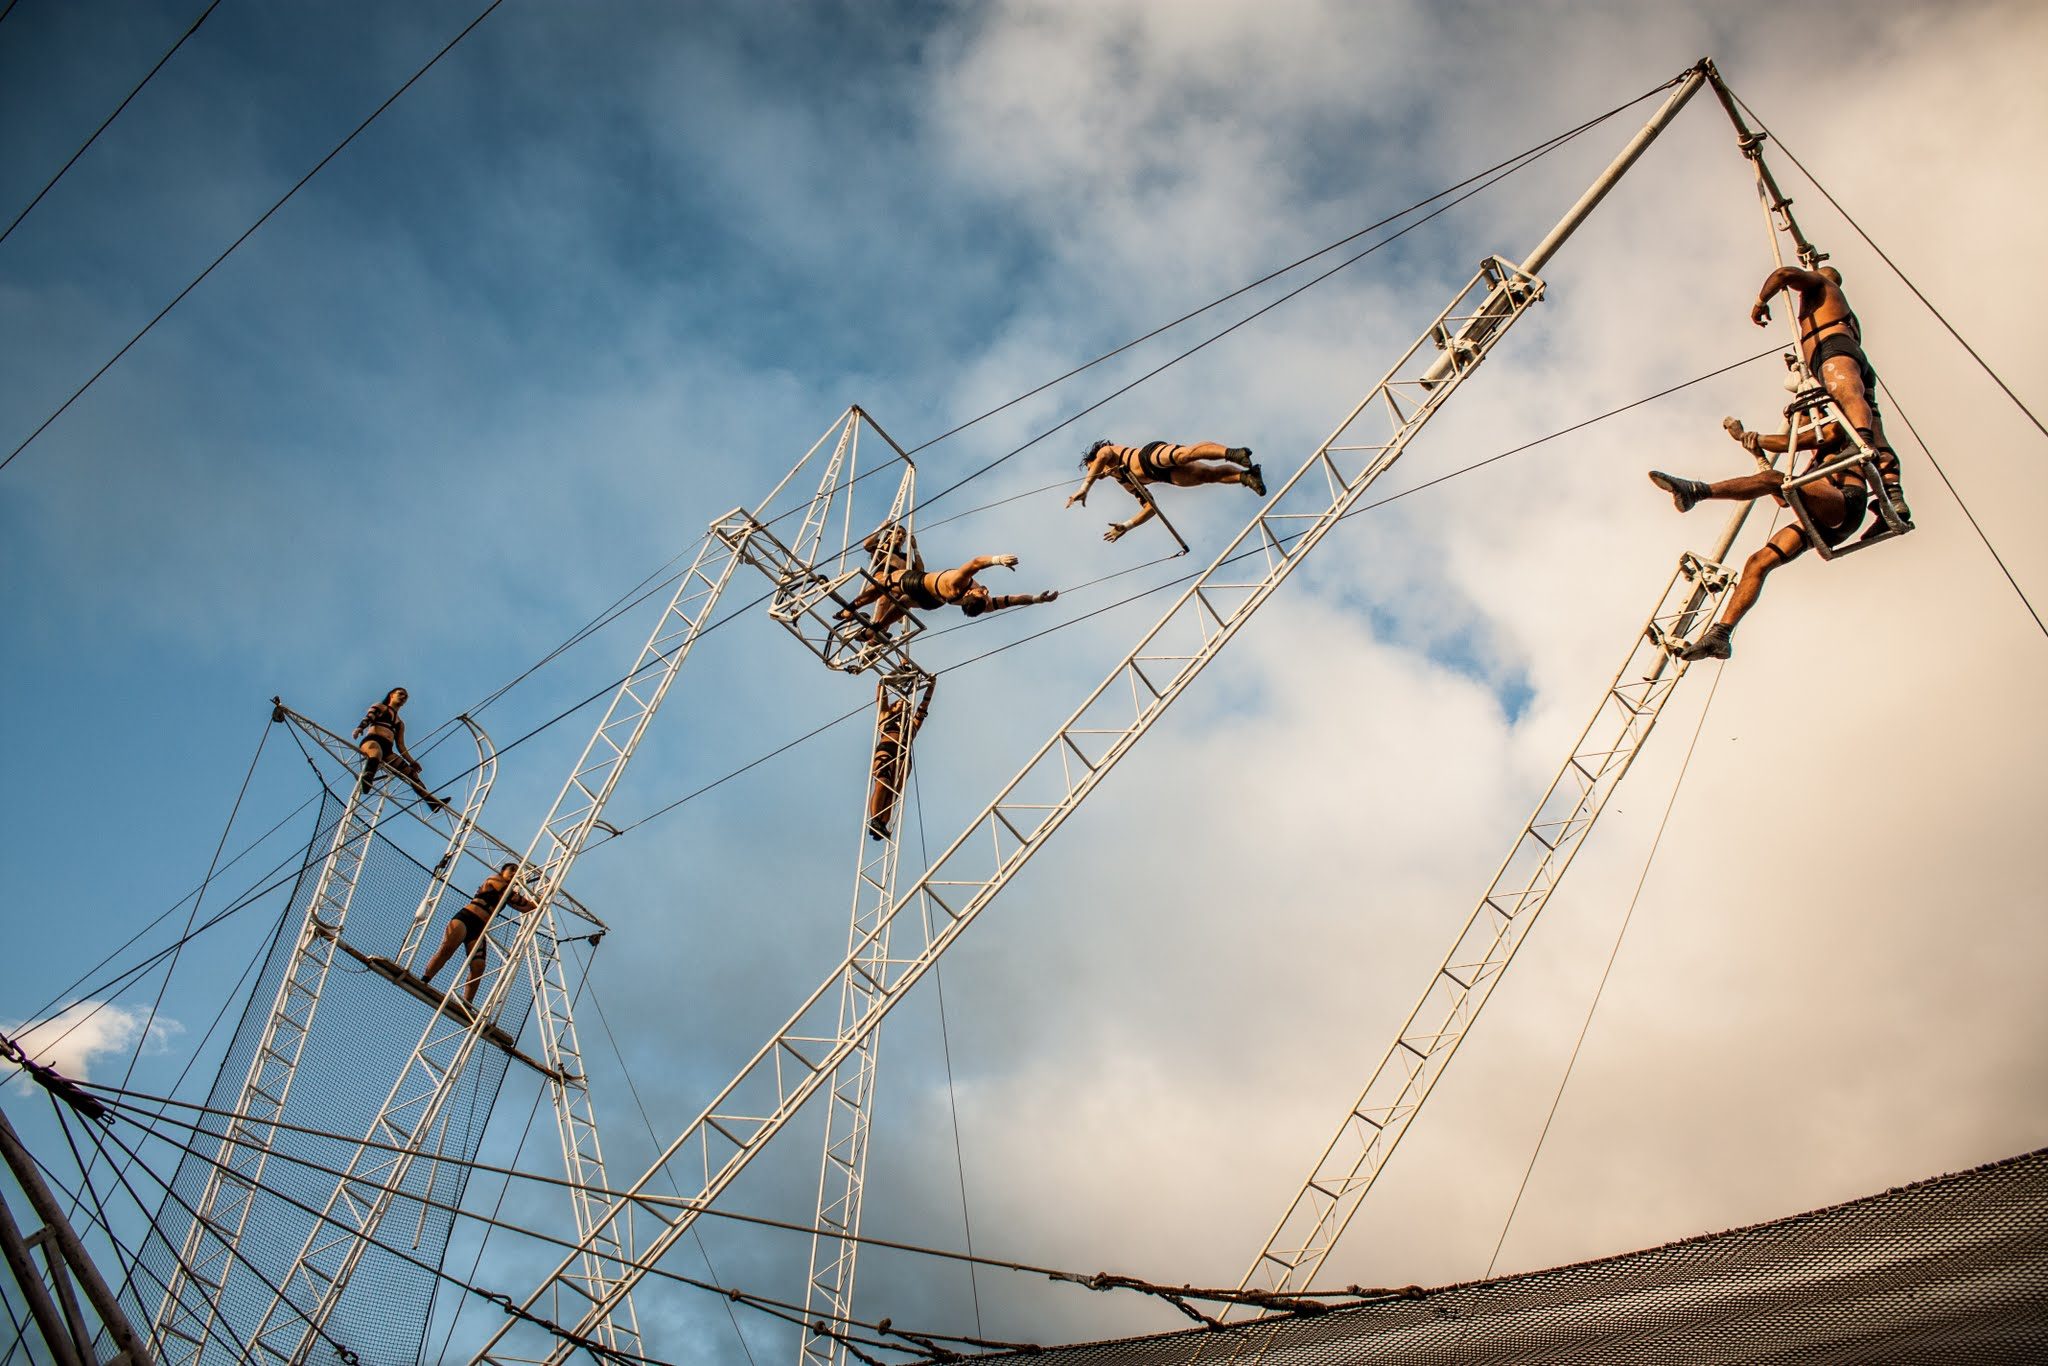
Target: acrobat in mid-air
[
  {"x": 466, "y": 927},
  {"x": 912, "y": 587},
  {"x": 382, "y": 733},
  {"x": 1161, "y": 462},
  {"x": 896, "y": 725},
  {"x": 1837, "y": 505},
  {"x": 1831, "y": 340}
]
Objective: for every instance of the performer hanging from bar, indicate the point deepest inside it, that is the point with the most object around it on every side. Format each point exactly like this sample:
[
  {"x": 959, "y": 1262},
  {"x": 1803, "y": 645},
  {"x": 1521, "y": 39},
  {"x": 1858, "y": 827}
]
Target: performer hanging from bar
[
  {"x": 1160, "y": 462},
  {"x": 1831, "y": 339},
  {"x": 382, "y": 732},
  {"x": 892, "y": 551},
  {"x": 914, "y": 588},
  {"x": 1837, "y": 505},
  {"x": 896, "y": 727},
  {"x": 466, "y": 927}
]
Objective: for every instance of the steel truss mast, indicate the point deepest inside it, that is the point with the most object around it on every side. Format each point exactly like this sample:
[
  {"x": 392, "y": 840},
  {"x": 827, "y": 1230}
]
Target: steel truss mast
[{"x": 795, "y": 1063}]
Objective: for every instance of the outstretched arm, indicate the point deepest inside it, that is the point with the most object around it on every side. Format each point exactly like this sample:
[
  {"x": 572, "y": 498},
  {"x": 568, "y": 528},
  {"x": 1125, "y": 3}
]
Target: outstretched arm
[
  {"x": 1146, "y": 511},
  {"x": 980, "y": 562},
  {"x": 998, "y": 601},
  {"x": 1080, "y": 495}
]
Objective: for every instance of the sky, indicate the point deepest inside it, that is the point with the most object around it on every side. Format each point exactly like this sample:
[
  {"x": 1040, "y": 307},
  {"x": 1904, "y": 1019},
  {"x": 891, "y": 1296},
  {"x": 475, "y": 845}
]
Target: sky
[{"x": 608, "y": 269}]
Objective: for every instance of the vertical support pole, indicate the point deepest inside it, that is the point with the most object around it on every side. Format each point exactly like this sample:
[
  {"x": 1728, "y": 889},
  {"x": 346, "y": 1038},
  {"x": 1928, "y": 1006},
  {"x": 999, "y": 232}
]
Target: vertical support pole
[
  {"x": 60, "y": 1280},
  {"x": 40, "y": 1306},
  {"x": 119, "y": 1330}
]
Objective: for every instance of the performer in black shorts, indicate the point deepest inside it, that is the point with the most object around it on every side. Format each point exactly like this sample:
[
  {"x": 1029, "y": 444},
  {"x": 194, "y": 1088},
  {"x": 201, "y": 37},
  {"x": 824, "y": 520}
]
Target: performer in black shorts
[
  {"x": 382, "y": 733},
  {"x": 1162, "y": 462},
  {"x": 466, "y": 927},
  {"x": 1837, "y": 505},
  {"x": 1831, "y": 339}
]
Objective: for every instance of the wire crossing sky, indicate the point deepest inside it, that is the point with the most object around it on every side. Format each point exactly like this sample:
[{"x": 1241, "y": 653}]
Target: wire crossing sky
[{"x": 598, "y": 277}]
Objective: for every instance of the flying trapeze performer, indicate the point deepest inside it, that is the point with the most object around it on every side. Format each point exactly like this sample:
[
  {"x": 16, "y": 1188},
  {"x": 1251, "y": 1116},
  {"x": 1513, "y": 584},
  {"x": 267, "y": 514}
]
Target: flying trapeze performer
[
  {"x": 1837, "y": 505},
  {"x": 1831, "y": 339},
  {"x": 466, "y": 926},
  {"x": 382, "y": 732},
  {"x": 911, "y": 587},
  {"x": 1160, "y": 462},
  {"x": 896, "y": 727}
]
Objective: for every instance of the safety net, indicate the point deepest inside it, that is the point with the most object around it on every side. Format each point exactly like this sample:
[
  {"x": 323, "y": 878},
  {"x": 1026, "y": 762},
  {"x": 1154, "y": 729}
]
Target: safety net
[{"x": 364, "y": 1028}]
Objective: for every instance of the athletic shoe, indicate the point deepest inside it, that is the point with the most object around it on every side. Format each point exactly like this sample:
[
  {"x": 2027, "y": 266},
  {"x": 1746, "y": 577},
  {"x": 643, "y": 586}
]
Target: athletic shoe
[
  {"x": 1712, "y": 644},
  {"x": 1255, "y": 480},
  {"x": 1684, "y": 492}
]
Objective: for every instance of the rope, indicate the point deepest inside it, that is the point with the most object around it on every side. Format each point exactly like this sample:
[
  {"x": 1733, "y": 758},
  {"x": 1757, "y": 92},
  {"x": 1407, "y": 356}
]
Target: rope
[
  {"x": 189, "y": 31},
  {"x": 1925, "y": 301},
  {"x": 1263, "y": 279},
  {"x": 1528, "y": 159},
  {"x": 946, "y": 1048},
  {"x": 1601, "y": 987},
  {"x": 41, "y": 1013},
  {"x": 648, "y": 1121},
  {"x": 776, "y": 1308},
  {"x": 1892, "y": 401},
  {"x": 130, "y": 1112},
  {"x": 197, "y": 279},
  {"x": 198, "y": 899}
]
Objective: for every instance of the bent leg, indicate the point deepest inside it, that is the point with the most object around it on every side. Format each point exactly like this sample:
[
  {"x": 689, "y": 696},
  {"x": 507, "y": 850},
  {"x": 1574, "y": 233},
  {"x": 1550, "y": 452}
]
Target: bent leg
[
  {"x": 1785, "y": 546},
  {"x": 452, "y": 938},
  {"x": 476, "y": 972},
  {"x": 372, "y": 751}
]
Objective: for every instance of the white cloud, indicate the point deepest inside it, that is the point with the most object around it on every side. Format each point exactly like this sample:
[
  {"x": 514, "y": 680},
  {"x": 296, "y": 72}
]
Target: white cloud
[{"x": 93, "y": 1029}]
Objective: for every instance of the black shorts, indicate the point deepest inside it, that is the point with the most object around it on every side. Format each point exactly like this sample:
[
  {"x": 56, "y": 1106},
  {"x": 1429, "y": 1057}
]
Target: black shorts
[
  {"x": 1855, "y": 506},
  {"x": 472, "y": 923},
  {"x": 1843, "y": 344},
  {"x": 1149, "y": 467}
]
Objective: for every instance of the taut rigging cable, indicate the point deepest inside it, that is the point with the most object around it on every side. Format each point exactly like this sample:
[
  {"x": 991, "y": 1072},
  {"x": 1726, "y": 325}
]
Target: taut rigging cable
[
  {"x": 1308, "y": 1302},
  {"x": 1122, "y": 602},
  {"x": 1928, "y": 303},
  {"x": 179, "y": 298},
  {"x": 86, "y": 146}
]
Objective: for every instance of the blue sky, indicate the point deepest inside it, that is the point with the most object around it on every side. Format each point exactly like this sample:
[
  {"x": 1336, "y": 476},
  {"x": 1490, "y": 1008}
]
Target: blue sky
[{"x": 609, "y": 268}]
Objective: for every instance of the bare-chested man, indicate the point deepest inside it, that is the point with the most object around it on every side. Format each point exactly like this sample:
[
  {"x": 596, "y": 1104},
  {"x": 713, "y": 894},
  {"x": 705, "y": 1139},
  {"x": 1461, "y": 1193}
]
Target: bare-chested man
[
  {"x": 1159, "y": 462},
  {"x": 466, "y": 926},
  {"x": 896, "y": 728},
  {"x": 1831, "y": 339},
  {"x": 914, "y": 588},
  {"x": 892, "y": 552},
  {"x": 1837, "y": 505},
  {"x": 382, "y": 732}
]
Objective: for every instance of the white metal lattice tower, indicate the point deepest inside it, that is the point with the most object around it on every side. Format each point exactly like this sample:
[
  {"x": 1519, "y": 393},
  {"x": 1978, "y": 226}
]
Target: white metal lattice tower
[
  {"x": 798, "y": 1060},
  {"x": 1542, "y": 852},
  {"x": 188, "y": 1315},
  {"x": 808, "y": 1050}
]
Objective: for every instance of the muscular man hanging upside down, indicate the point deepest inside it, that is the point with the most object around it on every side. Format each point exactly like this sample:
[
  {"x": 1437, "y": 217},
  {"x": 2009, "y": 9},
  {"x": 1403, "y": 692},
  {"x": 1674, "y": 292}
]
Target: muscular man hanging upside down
[
  {"x": 1837, "y": 505},
  {"x": 914, "y": 588},
  {"x": 1160, "y": 462}
]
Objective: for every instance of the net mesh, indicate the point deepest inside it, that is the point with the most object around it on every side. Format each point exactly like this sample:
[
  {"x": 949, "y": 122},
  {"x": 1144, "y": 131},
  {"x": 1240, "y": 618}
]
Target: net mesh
[
  {"x": 363, "y": 1031},
  {"x": 1952, "y": 1270}
]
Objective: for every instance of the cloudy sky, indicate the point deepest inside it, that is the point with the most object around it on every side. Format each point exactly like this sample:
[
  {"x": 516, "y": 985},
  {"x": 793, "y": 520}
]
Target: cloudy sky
[{"x": 609, "y": 268}]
